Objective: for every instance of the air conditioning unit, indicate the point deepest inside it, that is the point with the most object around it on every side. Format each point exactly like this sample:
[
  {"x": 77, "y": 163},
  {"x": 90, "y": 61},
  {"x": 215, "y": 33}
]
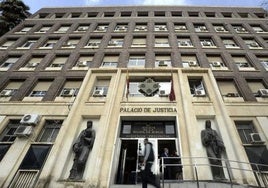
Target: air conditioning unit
[
  {"x": 23, "y": 131},
  {"x": 162, "y": 28},
  {"x": 241, "y": 29},
  {"x": 162, "y": 64},
  {"x": 6, "y": 92},
  {"x": 200, "y": 93},
  {"x": 232, "y": 95},
  {"x": 256, "y": 138},
  {"x": 263, "y": 92},
  {"x": 31, "y": 65},
  {"x": 254, "y": 45},
  {"x": 203, "y": 28},
  {"x": 101, "y": 28},
  {"x": 68, "y": 92},
  {"x": 219, "y": 29},
  {"x": 98, "y": 93},
  {"x": 183, "y": 43},
  {"x": 31, "y": 119},
  {"x": 216, "y": 64},
  {"x": 82, "y": 64},
  {"x": 205, "y": 43},
  {"x": 82, "y": 29},
  {"x": 192, "y": 63},
  {"x": 182, "y": 28},
  {"x": 162, "y": 93}
]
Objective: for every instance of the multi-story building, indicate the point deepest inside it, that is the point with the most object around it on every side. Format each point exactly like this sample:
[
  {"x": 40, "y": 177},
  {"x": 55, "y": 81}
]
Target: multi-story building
[{"x": 134, "y": 72}]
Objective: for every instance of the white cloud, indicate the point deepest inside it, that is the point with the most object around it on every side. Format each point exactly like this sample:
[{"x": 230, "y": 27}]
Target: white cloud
[
  {"x": 92, "y": 2},
  {"x": 164, "y": 2}
]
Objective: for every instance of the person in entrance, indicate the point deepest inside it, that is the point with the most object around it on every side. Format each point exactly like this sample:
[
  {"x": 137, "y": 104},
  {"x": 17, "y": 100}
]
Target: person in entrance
[{"x": 146, "y": 175}]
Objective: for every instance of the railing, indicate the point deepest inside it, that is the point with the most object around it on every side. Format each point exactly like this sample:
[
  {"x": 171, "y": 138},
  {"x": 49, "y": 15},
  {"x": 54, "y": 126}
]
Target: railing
[
  {"x": 260, "y": 171},
  {"x": 24, "y": 179}
]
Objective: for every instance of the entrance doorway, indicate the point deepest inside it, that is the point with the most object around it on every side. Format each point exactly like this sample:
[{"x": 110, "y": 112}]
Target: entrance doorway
[{"x": 131, "y": 157}]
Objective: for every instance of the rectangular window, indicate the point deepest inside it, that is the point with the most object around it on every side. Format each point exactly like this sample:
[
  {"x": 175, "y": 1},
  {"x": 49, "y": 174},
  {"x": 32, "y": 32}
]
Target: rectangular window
[
  {"x": 230, "y": 43},
  {"x": 9, "y": 62},
  {"x": 162, "y": 61},
  {"x": 197, "y": 88},
  {"x": 228, "y": 88},
  {"x": 58, "y": 62},
  {"x": 40, "y": 89},
  {"x": 71, "y": 43},
  {"x": 252, "y": 44},
  {"x": 136, "y": 61},
  {"x": 93, "y": 43},
  {"x": 138, "y": 42},
  {"x": 220, "y": 28},
  {"x": 161, "y": 42},
  {"x": 43, "y": 29},
  {"x": 184, "y": 42},
  {"x": 140, "y": 27},
  {"x": 189, "y": 61},
  {"x": 116, "y": 42},
  {"x": 82, "y": 28},
  {"x": 121, "y": 28},
  {"x": 200, "y": 28},
  {"x": 101, "y": 88},
  {"x": 70, "y": 89},
  {"x": 63, "y": 29},
  {"x": 28, "y": 44},
  {"x": 3, "y": 150},
  {"x": 110, "y": 61},
  {"x": 50, "y": 131},
  {"x": 160, "y": 27},
  {"x": 8, "y": 43},
  {"x": 180, "y": 28},
  {"x": 11, "y": 88},
  {"x": 207, "y": 43},
  {"x": 84, "y": 61},
  {"x": 8, "y": 135},
  {"x": 50, "y": 43},
  {"x": 239, "y": 29},
  {"x": 101, "y": 28}
]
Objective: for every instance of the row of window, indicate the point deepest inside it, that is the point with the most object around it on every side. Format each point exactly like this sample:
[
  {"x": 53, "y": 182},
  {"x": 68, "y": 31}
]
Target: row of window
[
  {"x": 139, "y": 42},
  {"x": 216, "y": 62},
  {"x": 197, "y": 88},
  {"x": 209, "y": 14},
  {"x": 158, "y": 27}
]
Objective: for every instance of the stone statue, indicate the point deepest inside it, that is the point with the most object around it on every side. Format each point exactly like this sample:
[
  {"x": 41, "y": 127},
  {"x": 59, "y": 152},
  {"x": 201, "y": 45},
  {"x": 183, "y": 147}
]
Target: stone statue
[
  {"x": 81, "y": 148},
  {"x": 214, "y": 146}
]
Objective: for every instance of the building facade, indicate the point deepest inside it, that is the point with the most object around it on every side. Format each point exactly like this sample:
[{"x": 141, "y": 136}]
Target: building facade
[{"x": 134, "y": 72}]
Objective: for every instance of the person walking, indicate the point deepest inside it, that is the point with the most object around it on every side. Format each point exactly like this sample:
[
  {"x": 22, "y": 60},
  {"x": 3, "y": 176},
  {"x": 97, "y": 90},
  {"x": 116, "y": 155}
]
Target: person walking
[{"x": 147, "y": 176}]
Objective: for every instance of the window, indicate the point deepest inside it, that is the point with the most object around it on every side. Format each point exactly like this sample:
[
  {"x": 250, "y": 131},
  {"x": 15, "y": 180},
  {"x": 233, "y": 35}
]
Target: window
[
  {"x": 220, "y": 28},
  {"x": 108, "y": 14},
  {"x": 140, "y": 27},
  {"x": 193, "y": 14},
  {"x": 228, "y": 88},
  {"x": 11, "y": 88},
  {"x": 227, "y": 14},
  {"x": 71, "y": 43},
  {"x": 216, "y": 62},
  {"x": 50, "y": 43},
  {"x": 252, "y": 44},
  {"x": 184, "y": 42},
  {"x": 161, "y": 42},
  {"x": 138, "y": 42},
  {"x": 200, "y": 28},
  {"x": 33, "y": 62},
  {"x": 84, "y": 61},
  {"x": 242, "y": 63},
  {"x": 162, "y": 61},
  {"x": 229, "y": 43},
  {"x": 116, "y": 42},
  {"x": 50, "y": 131},
  {"x": 101, "y": 28},
  {"x": 121, "y": 28},
  {"x": 40, "y": 89},
  {"x": 245, "y": 128},
  {"x": 63, "y": 29},
  {"x": 125, "y": 14},
  {"x": 180, "y": 28},
  {"x": 93, "y": 43},
  {"x": 243, "y": 15},
  {"x": 70, "y": 89},
  {"x": 207, "y": 43},
  {"x": 258, "y": 29},
  {"x": 176, "y": 13},
  {"x": 110, "y": 61},
  {"x": 160, "y": 27},
  {"x": 239, "y": 29},
  {"x": 197, "y": 88},
  {"x": 189, "y": 61},
  {"x": 25, "y": 29},
  {"x": 210, "y": 14},
  {"x": 28, "y": 44},
  {"x": 82, "y": 28},
  {"x": 8, "y": 43},
  {"x": 136, "y": 61},
  {"x": 257, "y": 87},
  {"x": 142, "y": 14},
  {"x": 8, "y": 134},
  {"x": 9, "y": 62},
  {"x": 159, "y": 14},
  {"x": 75, "y": 15},
  {"x": 58, "y": 62},
  {"x": 58, "y": 15},
  {"x": 92, "y": 14},
  {"x": 43, "y": 29},
  {"x": 3, "y": 150},
  {"x": 263, "y": 61},
  {"x": 101, "y": 88}
]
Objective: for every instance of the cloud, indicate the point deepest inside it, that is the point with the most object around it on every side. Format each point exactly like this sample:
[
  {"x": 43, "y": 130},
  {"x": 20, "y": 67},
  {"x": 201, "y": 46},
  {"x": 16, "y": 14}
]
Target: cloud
[
  {"x": 164, "y": 2},
  {"x": 92, "y": 2}
]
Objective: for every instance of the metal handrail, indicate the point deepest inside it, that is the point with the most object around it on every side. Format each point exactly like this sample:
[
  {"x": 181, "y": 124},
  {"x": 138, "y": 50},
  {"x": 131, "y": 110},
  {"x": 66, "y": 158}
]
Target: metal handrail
[{"x": 255, "y": 168}]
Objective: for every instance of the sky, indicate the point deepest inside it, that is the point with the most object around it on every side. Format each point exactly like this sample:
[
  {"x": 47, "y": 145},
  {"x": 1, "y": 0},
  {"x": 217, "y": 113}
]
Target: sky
[{"x": 35, "y": 5}]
